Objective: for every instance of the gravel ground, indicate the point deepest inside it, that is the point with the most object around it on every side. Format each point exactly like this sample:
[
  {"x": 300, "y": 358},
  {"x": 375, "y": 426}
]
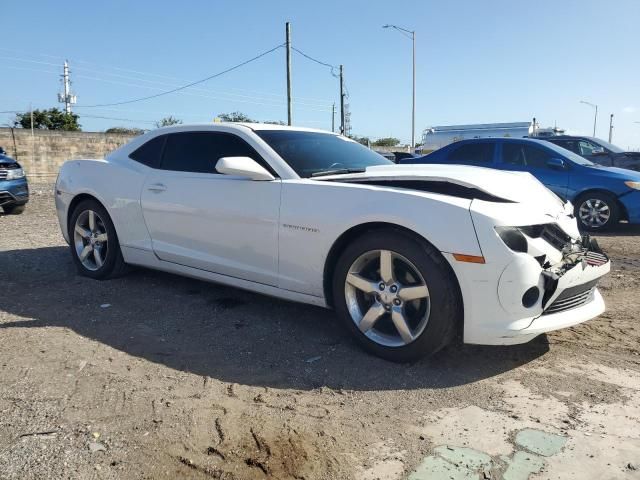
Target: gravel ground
[{"x": 158, "y": 376}]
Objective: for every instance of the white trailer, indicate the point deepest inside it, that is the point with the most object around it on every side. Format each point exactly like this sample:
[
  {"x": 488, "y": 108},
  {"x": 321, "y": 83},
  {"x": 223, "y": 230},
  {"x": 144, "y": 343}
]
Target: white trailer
[{"x": 434, "y": 138}]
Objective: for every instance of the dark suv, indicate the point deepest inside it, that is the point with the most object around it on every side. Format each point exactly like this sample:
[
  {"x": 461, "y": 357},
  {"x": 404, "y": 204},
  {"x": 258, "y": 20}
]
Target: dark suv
[
  {"x": 598, "y": 151},
  {"x": 14, "y": 190}
]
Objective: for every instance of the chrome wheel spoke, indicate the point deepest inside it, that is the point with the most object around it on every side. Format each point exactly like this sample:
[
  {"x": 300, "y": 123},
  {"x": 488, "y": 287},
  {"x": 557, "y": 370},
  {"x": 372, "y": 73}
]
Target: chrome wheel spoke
[
  {"x": 413, "y": 293},
  {"x": 400, "y": 322},
  {"x": 92, "y": 220},
  {"x": 386, "y": 266},
  {"x": 101, "y": 237},
  {"x": 97, "y": 256},
  {"x": 361, "y": 283},
  {"x": 371, "y": 317},
  {"x": 85, "y": 253},
  {"x": 83, "y": 232}
]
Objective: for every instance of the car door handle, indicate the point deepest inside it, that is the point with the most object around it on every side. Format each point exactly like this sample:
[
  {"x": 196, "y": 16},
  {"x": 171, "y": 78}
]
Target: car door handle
[{"x": 157, "y": 187}]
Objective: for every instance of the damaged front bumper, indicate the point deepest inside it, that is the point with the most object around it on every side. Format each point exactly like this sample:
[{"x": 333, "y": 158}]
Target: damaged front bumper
[{"x": 545, "y": 276}]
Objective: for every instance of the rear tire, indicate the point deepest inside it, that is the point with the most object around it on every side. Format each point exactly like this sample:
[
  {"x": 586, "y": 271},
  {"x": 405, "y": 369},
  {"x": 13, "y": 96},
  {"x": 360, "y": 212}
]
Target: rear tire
[
  {"x": 397, "y": 295},
  {"x": 94, "y": 243},
  {"x": 597, "y": 211},
  {"x": 13, "y": 209}
]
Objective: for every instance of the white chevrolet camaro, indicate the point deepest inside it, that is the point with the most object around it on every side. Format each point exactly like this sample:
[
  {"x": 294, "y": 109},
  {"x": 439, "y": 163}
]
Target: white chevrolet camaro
[{"x": 410, "y": 257}]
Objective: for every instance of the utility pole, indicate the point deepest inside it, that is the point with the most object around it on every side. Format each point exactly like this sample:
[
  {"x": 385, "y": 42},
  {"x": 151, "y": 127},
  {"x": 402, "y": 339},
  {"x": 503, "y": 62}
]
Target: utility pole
[
  {"x": 288, "y": 44},
  {"x": 66, "y": 97},
  {"x": 342, "y": 100},
  {"x": 412, "y": 35},
  {"x": 413, "y": 110},
  {"x": 333, "y": 117},
  {"x": 595, "y": 118},
  {"x": 610, "y": 127},
  {"x": 33, "y": 138}
]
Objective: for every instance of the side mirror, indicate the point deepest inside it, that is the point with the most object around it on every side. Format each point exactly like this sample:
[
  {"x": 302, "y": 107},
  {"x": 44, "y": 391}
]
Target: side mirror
[
  {"x": 556, "y": 164},
  {"x": 243, "y": 167}
]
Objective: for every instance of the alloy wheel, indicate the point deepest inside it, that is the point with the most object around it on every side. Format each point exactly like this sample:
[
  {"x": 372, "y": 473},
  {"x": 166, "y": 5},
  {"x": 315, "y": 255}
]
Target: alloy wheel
[
  {"x": 90, "y": 240},
  {"x": 387, "y": 298},
  {"x": 594, "y": 213}
]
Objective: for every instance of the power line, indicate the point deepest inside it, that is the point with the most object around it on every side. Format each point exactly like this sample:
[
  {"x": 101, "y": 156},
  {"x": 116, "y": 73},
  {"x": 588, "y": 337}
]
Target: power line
[
  {"x": 235, "y": 67},
  {"x": 309, "y": 57},
  {"x": 151, "y": 74}
]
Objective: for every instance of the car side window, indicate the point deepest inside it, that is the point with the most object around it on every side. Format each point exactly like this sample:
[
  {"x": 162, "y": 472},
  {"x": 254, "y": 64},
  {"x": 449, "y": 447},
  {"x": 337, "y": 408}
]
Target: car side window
[
  {"x": 150, "y": 153},
  {"x": 513, "y": 154},
  {"x": 198, "y": 152},
  {"x": 524, "y": 155},
  {"x": 472, "y": 154},
  {"x": 586, "y": 148}
]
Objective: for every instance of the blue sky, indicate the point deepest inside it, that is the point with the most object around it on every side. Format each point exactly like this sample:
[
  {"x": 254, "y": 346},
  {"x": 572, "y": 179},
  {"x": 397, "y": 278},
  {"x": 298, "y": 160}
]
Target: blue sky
[{"x": 477, "y": 61}]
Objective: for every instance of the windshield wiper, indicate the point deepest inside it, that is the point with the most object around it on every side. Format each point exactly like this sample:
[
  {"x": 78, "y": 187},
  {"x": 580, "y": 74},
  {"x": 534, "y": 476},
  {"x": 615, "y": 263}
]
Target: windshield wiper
[{"x": 337, "y": 171}]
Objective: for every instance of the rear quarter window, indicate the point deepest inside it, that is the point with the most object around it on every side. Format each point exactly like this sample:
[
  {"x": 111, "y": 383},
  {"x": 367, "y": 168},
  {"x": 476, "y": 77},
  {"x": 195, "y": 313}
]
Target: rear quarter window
[{"x": 150, "y": 153}]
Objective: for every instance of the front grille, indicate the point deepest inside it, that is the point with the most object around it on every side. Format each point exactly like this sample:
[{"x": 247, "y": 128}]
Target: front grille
[
  {"x": 596, "y": 259},
  {"x": 4, "y": 169},
  {"x": 573, "y": 297},
  {"x": 554, "y": 235}
]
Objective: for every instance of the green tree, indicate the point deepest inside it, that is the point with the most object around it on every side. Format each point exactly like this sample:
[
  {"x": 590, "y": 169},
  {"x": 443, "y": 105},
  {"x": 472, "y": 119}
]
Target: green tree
[
  {"x": 168, "y": 121},
  {"x": 362, "y": 140},
  {"x": 52, "y": 119},
  {"x": 386, "y": 142},
  {"x": 124, "y": 131},
  {"x": 235, "y": 117}
]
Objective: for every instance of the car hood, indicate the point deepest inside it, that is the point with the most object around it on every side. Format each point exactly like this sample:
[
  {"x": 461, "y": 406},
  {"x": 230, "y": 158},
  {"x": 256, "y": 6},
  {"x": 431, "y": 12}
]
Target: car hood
[
  {"x": 519, "y": 187},
  {"x": 615, "y": 172}
]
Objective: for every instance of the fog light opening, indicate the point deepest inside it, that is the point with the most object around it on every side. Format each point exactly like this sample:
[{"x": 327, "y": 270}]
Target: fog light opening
[{"x": 530, "y": 297}]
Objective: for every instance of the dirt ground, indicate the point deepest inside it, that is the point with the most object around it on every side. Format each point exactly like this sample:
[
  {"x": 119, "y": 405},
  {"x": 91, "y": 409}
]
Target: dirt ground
[{"x": 158, "y": 376}]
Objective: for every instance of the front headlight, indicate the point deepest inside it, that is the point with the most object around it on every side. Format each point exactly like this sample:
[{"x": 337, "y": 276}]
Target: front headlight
[
  {"x": 15, "y": 173},
  {"x": 513, "y": 238},
  {"x": 632, "y": 184}
]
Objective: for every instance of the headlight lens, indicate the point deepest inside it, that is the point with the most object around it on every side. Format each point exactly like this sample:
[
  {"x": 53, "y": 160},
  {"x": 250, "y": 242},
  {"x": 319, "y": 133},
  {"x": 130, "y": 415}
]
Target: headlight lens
[
  {"x": 15, "y": 173},
  {"x": 513, "y": 238},
  {"x": 634, "y": 185}
]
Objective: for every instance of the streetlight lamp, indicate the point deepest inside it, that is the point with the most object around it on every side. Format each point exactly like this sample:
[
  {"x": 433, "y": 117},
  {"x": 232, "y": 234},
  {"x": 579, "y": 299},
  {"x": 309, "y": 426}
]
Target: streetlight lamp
[
  {"x": 595, "y": 118},
  {"x": 412, "y": 35}
]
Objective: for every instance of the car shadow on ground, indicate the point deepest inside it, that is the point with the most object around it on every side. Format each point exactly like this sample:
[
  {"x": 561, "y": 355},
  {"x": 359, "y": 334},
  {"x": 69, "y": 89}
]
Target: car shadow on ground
[
  {"x": 224, "y": 333},
  {"x": 623, "y": 229}
]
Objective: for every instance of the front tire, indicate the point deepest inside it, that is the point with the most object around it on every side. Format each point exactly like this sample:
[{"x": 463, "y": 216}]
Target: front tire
[
  {"x": 13, "y": 209},
  {"x": 94, "y": 243},
  {"x": 397, "y": 295},
  {"x": 597, "y": 211}
]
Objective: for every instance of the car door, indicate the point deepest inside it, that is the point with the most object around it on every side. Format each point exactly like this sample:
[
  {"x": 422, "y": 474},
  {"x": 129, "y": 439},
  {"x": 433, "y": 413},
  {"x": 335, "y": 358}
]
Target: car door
[
  {"x": 526, "y": 157},
  {"x": 202, "y": 219}
]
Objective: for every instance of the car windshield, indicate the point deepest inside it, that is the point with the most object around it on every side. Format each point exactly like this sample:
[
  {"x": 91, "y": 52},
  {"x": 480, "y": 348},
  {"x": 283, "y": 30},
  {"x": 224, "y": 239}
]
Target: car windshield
[
  {"x": 574, "y": 157},
  {"x": 608, "y": 146},
  {"x": 315, "y": 153}
]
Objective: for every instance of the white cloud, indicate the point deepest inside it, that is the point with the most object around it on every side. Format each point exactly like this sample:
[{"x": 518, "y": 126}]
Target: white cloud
[{"x": 629, "y": 109}]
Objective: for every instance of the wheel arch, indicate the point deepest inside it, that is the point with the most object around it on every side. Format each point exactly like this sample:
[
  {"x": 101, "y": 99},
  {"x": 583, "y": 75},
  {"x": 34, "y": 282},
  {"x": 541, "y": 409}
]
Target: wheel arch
[
  {"x": 75, "y": 201},
  {"x": 357, "y": 231},
  {"x": 623, "y": 211}
]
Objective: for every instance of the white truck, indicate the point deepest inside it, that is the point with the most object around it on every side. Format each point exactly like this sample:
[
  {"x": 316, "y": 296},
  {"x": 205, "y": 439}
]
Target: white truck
[{"x": 434, "y": 138}]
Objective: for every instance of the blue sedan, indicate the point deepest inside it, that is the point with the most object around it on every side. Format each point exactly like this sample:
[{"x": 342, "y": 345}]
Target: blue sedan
[
  {"x": 14, "y": 190},
  {"x": 601, "y": 195}
]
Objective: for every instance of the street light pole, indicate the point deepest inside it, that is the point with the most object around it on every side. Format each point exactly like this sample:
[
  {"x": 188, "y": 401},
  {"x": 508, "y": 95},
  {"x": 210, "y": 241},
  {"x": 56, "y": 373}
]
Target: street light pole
[
  {"x": 595, "y": 118},
  {"x": 412, "y": 35}
]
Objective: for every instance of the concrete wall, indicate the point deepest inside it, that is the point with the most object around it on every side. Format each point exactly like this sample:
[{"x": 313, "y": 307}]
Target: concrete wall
[{"x": 44, "y": 153}]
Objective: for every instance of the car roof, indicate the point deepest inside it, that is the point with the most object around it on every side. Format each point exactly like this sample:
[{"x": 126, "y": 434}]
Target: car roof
[
  {"x": 499, "y": 139},
  {"x": 237, "y": 126}
]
